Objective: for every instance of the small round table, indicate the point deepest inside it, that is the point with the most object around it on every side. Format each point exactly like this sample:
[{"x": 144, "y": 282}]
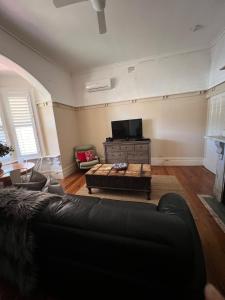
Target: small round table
[{"x": 23, "y": 167}]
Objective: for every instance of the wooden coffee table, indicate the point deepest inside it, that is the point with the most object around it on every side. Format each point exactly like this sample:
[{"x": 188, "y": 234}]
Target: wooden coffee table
[{"x": 137, "y": 177}]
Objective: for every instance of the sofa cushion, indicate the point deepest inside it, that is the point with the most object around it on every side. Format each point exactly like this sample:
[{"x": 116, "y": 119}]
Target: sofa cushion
[
  {"x": 136, "y": 220},
  {"x": 81, "y": 156},
  {"x": 88, "y": 164},
  {"x": 90, "y": 155}
]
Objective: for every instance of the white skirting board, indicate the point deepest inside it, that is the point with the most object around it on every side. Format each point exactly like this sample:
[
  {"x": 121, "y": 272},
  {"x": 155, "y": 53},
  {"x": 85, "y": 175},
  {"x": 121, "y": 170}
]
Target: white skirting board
[
  {"x": 177, "y": 161},
  {"x": 68, "y": 170},
  {"x": 155, "y": 161}
]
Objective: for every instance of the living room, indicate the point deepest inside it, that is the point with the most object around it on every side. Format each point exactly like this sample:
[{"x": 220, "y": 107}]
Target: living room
[{"x": 160, "y": 63}]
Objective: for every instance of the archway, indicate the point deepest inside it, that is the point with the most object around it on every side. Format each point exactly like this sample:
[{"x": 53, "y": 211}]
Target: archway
[
  {"x": 26, "y": 75},
  {"x": 45, "y": 125}
]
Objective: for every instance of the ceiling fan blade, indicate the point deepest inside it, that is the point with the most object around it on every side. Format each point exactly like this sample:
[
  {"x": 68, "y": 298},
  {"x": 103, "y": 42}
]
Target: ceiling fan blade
[
  {"x": 61, "y": 3},
  {"x": 101, "y": 22}
]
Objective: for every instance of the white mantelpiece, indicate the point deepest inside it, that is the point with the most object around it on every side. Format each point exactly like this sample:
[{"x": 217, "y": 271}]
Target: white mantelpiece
[
  {"x": 216, "y": 138},
  {"x": 219, "y": 188}
]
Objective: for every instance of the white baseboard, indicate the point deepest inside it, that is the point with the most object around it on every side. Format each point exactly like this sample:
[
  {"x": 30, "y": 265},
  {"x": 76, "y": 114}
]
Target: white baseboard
[
  {"x": 155, "y": 161},
  {"x": 177, "y": 161},
  {"x": 68, "y": 170}
]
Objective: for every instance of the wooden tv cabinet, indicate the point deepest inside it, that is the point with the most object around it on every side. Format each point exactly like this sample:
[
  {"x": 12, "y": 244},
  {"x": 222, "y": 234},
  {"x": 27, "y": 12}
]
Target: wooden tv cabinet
[{"x": 135, "y": 152}]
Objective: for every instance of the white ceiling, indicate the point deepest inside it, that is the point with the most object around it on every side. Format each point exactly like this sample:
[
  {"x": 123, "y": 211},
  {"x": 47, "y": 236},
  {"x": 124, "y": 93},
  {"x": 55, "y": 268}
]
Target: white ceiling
[{"x": 136, "y": 28}]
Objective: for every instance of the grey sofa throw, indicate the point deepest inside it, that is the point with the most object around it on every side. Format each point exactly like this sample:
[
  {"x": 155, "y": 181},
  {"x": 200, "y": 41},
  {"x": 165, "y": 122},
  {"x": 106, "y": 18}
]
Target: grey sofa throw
[{"x": 17, "y": 208}]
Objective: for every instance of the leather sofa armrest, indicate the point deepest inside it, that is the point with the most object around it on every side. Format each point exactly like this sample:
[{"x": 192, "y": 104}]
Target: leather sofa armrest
[{"x": 174, "y": 204}]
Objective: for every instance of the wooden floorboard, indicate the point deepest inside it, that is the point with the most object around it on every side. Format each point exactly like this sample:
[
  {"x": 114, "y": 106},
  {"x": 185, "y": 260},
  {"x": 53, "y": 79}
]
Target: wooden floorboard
[{"x": 195, "y": 180}]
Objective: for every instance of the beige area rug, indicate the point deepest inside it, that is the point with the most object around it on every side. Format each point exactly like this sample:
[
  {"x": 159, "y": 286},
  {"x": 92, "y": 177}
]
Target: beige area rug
[{"x": 161, "y": 184}]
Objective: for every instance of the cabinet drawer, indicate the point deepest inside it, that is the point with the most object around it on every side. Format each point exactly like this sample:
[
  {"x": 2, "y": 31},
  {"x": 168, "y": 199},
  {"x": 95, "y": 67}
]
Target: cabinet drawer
[
  {"x": 112, "y": 148},
  {"x": 116, "y": 155},
  {"x": 138, "y": 161},
  {"x": 127, "y": 147},
  {"x": 141, "y": 147},
  {"x": 140, "y": 157}
]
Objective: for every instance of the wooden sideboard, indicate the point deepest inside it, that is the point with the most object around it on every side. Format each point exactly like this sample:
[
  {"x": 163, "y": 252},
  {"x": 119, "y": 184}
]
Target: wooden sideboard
[{"x": 136, "y": 152}]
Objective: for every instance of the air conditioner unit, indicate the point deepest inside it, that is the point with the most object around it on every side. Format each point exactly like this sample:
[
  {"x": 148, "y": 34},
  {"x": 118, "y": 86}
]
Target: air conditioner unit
[{"x": 99, "y": 85}]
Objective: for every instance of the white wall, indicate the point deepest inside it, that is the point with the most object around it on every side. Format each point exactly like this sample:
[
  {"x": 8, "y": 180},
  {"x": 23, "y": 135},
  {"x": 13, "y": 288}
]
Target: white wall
[
  {"x": 53, "y": 78},
  {"x": 152, "y": 77},
  {"x": 217, "y": 61}
]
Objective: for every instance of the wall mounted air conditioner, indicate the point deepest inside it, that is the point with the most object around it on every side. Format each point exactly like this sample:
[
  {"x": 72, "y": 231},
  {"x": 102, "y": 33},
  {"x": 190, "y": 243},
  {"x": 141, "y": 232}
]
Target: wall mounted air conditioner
[{"x": 99, "y": 85}]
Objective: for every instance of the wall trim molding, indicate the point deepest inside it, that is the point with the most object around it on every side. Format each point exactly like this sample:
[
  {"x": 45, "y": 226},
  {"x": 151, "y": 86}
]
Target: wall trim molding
[
  {"x": 68, "y": 170},
  {"x": 213, "y": 91},
  {"x": 142, "y": 100},
  {"x": 44, "y": 104},
  {"x": 177, "y": 161},
  {"x": 216, "y": 90},
  {"x": 155, "y": 161},
  {"x": 63, "y": 106}
]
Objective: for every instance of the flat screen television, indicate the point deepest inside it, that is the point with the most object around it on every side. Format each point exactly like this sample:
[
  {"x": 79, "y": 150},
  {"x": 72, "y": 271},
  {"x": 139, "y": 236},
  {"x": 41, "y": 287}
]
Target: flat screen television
[{"x": 127, "y": 129}]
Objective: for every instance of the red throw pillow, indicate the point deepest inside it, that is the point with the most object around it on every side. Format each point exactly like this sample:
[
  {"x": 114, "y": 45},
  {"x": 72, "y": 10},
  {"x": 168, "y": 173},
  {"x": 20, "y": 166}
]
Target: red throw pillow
[
  {"x": 90, "y": 155},
  {"x": 81, "y": 156}
]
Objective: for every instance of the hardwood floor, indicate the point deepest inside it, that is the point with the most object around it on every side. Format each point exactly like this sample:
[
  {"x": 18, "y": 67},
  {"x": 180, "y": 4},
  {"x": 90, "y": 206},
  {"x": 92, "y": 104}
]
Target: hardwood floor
[{"x": 195, "y": 180}]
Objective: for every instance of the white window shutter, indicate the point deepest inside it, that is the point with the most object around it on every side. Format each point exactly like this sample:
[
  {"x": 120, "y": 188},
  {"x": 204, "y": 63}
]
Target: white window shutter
[
  {"x": 2, "y": 133},
  {"x": 22, "y": 122},
  {"x": 3, "y": 140}
]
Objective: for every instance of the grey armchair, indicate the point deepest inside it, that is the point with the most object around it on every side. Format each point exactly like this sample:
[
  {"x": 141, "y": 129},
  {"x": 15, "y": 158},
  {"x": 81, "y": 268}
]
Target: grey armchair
[{"x": 87, "y": 164}]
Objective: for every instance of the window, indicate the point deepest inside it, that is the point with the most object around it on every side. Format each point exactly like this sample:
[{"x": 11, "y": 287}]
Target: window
[
  {"x": 3, "y": 139},
  {"x": 18, "y": 118},
  {"x": 23, "y": 125},
  {"x": 2, "y": 133}
]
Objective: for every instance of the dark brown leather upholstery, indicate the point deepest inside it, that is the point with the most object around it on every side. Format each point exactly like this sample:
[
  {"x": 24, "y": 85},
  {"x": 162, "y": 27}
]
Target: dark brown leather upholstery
[{"x": 105, "y": 247}]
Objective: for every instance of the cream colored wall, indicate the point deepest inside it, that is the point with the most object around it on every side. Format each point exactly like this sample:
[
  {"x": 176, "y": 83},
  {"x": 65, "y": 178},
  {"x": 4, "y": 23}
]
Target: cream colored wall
[
  {"x": 48, "y": 128},
  {"x": 66, "y": 124},
  {"x": 176, "y": 126}
]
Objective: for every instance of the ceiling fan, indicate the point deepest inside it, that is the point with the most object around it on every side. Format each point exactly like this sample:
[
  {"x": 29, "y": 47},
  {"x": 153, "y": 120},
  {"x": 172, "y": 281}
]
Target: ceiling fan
[{"x": 98, "y": 6}]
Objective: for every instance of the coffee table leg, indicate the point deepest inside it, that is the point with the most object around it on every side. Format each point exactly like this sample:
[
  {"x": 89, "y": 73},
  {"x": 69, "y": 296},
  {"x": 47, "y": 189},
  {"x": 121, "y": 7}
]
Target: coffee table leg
[{"x": 89, "y": 190}]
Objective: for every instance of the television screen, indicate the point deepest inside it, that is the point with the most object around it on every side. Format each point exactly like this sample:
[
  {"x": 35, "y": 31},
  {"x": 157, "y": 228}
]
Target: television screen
[{"x": 127, "y": 129}]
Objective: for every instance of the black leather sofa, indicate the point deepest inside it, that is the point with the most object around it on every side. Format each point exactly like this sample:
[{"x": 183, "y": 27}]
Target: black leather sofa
[{"x": 91, "y": 247}]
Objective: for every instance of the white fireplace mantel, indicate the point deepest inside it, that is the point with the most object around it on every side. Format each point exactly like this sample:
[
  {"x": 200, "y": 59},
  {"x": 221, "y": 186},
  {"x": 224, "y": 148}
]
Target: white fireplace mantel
[
  {"x": 220, "y": 139},
  {"x": 219, "y": 186}
]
